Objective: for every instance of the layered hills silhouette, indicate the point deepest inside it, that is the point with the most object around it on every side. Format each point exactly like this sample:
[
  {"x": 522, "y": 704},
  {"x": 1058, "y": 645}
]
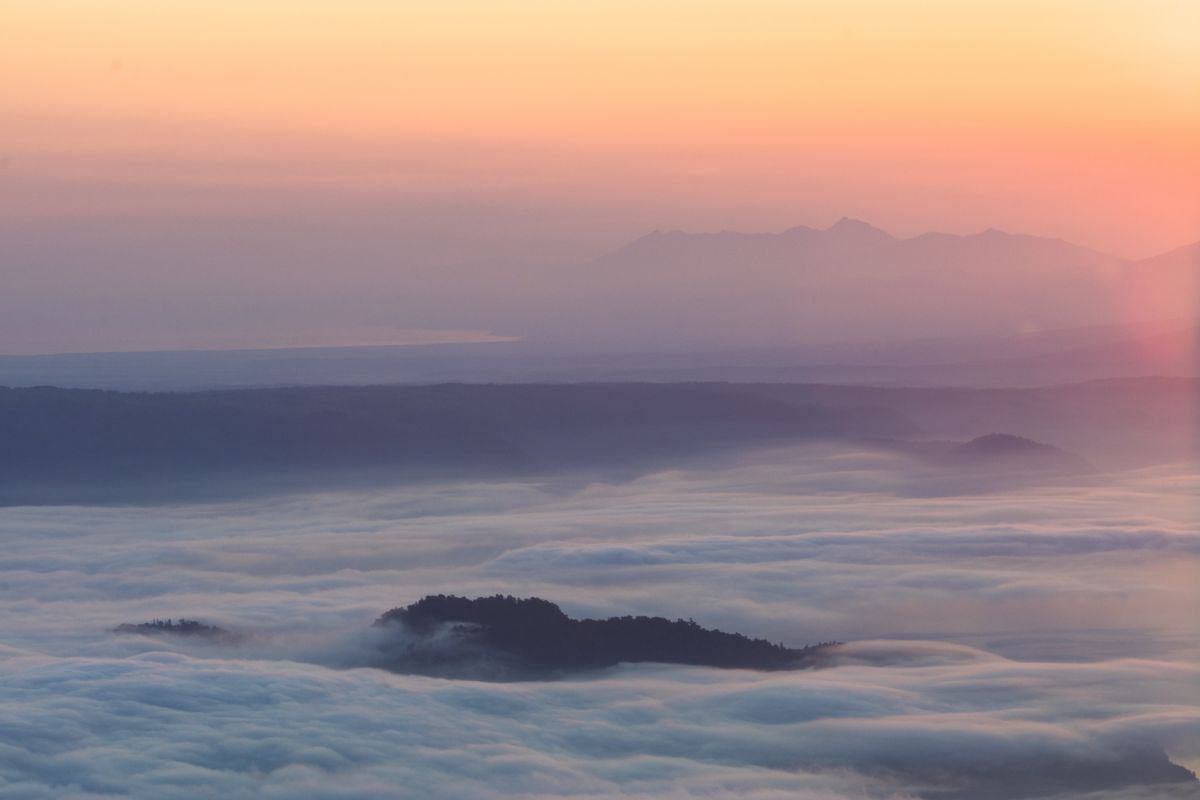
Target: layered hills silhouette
[
  {"x": 853, "y": 280},
  {"x": 850, "y": 303},
  {"x": 75, "y": 445},
  {"x": 63, "y": 444}
]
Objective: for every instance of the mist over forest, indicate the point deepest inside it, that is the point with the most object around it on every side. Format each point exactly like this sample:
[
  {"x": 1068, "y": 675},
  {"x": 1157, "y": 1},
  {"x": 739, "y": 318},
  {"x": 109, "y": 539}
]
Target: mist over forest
[
  {"x": 956, "y": 566},
  {"x": 1008, "y": 567}
]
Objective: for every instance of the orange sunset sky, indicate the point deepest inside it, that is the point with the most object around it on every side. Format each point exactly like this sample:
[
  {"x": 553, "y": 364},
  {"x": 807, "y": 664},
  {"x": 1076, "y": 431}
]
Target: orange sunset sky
[
  {"x": 1077, "y": 118},
  {"x": 214, "y": 171}
]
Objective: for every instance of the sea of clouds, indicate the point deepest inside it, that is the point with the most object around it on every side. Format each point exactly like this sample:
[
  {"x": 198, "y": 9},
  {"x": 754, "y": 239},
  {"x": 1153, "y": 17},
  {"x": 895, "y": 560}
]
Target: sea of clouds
[{"x": 1000, "y": 643}]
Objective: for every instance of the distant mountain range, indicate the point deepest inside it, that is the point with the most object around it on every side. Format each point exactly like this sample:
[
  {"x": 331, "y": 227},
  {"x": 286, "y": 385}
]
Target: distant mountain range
[
  {"x": 855, "y": 281},
  {"x": 848, "y": 304}
]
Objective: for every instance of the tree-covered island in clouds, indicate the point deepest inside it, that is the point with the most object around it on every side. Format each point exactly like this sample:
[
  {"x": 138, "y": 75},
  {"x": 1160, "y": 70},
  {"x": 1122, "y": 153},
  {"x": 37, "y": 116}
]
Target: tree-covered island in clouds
[
  {"x": 512, "y": 638},
  {"x": 180, "y": 627},
  {"x": 534, "y": 637},
  {"x": 502, "y": 638}
]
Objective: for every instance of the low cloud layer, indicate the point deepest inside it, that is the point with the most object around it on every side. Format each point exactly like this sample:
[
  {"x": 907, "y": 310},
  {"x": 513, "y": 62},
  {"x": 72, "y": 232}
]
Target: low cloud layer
[
  {"x": 167, "y": 725},
  {"x": 1064, "y": 620}
]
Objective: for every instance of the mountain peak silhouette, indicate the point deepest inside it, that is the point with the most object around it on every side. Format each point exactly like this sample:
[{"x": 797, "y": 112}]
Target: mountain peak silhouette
[{"x": 848, "y": 226}]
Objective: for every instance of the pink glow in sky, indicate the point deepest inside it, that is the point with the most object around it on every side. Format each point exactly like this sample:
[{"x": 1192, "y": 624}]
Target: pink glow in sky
[{"x": 155, "y": 157}]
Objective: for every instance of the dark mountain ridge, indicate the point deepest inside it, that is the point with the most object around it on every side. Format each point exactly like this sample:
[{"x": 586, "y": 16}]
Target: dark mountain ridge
[
  {"x": 56, "y": 442},
  {"x": 853, "y": 280},
  {"x": 82, "y": 445}
]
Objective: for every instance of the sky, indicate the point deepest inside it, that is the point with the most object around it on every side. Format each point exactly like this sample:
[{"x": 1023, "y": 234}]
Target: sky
[{"x": 163, "y": 163}]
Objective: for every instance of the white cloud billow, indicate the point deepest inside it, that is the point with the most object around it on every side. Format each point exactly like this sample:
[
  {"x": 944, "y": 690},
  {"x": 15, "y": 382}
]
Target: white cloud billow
[{"x": 1067, "y": 620}]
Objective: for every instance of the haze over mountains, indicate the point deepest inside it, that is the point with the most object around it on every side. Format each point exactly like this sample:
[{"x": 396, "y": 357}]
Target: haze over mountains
[
  {"x": 848, "y": 304},
  {"x": 666, "y": 291},
  {"x": 853, "y": 281},
  {"x": 981, "y": 530}
]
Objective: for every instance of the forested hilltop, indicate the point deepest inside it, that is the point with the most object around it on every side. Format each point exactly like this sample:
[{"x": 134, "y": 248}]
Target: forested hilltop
[
  {"x": 536, "y": 635},
  {"x": 97, "y": 446}
]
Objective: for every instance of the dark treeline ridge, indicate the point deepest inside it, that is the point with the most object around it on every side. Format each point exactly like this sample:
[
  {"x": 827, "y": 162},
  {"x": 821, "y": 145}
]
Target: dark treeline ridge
[
  {"x": 536, "y": 634},
  {"x": 72, "y": 445},
  {"x": 86, "y": 445}
]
